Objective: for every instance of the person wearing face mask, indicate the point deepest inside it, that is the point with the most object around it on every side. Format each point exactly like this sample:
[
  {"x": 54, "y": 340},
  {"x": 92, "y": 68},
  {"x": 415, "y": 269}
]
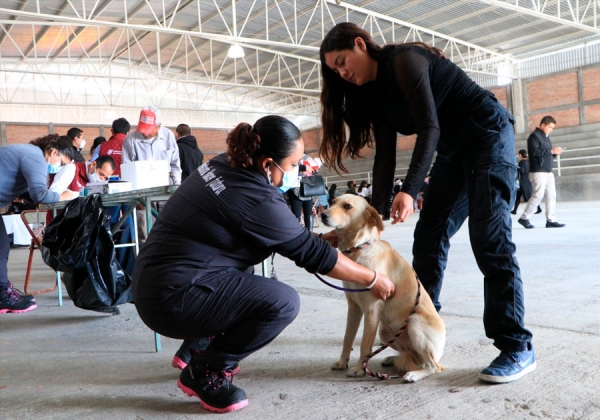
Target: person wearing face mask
[
  {"x": 61, "y": 180},
  {"x": 24, "y": 169},
  {"x": 93, "y": 171},
  {"x": 78, "y": 143},
  {"x": 195, "y": 278}
]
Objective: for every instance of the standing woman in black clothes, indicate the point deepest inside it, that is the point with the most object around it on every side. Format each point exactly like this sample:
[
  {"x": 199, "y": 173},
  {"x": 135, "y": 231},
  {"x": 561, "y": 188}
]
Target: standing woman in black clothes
[{"x": 411, "y": 88}]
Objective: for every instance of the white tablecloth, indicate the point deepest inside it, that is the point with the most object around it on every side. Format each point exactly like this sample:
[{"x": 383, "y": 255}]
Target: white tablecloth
[{"x": 14, "y": 224}]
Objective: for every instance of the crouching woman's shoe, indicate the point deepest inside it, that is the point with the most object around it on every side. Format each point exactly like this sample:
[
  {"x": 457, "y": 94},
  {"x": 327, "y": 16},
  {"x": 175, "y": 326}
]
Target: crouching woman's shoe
[{"x": 213, "y": 386}]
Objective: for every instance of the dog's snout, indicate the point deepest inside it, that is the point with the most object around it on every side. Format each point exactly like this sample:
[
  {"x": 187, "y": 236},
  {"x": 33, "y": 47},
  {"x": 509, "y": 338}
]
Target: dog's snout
[{"x": 324, "y": 216}]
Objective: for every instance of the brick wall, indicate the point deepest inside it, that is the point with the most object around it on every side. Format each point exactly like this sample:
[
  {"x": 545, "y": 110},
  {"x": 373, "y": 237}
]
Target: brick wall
[
  {"x": 23, "y": 133},
  {"x": 592, "y": 113},
  {"x": 211, "y": 142},
  {"x": 311, "y": 143},
  {"x": 564, "y": 118},
  {"x": 553, "y": 91},
  {"x": 501, "y": 94},
  {"x": 591, "y": 84}
]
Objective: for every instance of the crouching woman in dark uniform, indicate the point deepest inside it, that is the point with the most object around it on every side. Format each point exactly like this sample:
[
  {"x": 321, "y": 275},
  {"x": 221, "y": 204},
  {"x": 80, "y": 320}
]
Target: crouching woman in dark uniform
[{"x": 193, "y": 277}]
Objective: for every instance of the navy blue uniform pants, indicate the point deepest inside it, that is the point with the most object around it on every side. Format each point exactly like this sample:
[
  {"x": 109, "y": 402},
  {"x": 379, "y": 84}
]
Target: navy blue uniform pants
[
  {"x": 478, "y": 183},
  {"x": 244, "y": 312}
]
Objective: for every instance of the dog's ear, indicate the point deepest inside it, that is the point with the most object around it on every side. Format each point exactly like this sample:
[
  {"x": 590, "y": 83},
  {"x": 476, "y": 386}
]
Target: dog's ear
[{"x": 374, "y": 219}]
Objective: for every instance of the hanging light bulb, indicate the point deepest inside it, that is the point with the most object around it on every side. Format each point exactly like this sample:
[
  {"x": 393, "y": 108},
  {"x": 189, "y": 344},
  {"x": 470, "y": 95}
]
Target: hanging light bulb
[{"x": 235, "y": 51}]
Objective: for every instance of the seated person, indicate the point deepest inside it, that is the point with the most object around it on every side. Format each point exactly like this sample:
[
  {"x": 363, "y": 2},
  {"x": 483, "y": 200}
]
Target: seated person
[
  {"x": 63, "y": 178},
  {"x": 93, "y": 171}
]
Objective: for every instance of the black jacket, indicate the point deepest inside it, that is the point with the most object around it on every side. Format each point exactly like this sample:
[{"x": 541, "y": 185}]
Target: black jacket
[
  {"x": 539, "y": 148},
  {"x": 523, "y": 177},
  {"x": 190, "y": 156},
  {"x": 77, "y": 156}
]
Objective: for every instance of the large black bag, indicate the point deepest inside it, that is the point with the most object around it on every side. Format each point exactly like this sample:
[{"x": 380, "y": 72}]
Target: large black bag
[
  {"x": 79, "y": 242},
  {"x": 312, "y": 186}
]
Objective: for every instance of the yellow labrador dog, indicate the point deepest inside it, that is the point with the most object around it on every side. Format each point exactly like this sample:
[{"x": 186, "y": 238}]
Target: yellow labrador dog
[{"x": 421, "y": 345}]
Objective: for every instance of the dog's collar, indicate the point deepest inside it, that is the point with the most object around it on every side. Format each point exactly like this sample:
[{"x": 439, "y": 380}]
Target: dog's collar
[{"x": 357, "y": 247}]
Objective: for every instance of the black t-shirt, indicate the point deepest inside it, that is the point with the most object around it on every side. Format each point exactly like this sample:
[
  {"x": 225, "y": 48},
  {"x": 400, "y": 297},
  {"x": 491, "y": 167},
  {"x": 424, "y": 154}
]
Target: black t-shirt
[
  {"x": 220, "y": 218},
  {"x": 416, "y": 92}
]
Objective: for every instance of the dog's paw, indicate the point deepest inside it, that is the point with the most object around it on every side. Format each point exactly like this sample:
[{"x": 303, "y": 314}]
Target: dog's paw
[
  {"x": 388, "y": 361},
  {"x": 355, "y": 372},
  {"x": 411, "y": 377},
  {"x": 339, "y": 365}
]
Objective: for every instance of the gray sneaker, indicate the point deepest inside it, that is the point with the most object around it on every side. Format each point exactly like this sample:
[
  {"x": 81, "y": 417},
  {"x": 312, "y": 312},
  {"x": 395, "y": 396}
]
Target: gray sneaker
[{"x": 510, "y": 366}]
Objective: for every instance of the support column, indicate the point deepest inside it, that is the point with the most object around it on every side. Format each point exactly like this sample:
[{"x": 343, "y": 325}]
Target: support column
[
  {"x": 3, "y": 139},
  {"x": 518, "y": 101}
]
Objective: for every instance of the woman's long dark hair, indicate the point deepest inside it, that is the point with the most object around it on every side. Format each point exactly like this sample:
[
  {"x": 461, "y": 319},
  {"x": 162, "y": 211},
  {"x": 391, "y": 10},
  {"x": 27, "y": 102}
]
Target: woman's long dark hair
[
  {"x": 344, "y": 102},
  {"x": 272, "y": 136}
]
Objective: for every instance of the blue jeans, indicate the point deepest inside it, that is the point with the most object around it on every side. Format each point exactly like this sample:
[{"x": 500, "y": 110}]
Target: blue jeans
[
  {"x": 477, "y": 182},
  {"x": 125, "y": 256}
]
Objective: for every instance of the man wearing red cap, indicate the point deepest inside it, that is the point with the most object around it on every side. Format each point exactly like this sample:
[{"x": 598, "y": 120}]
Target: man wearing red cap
[{"x": 151, "y": 141}]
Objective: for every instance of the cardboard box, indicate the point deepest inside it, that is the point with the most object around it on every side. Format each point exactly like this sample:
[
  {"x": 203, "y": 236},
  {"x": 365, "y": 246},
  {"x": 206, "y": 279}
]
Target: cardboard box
[{"x": 146, "y": 173}]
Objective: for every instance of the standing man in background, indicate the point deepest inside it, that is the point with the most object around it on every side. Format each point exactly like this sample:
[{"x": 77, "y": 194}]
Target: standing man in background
[
  {"x": 541, "y": 158},
  {"x": 151, "y": 141},
  {"x": 190, "y": 155},
  {"x": 76, "y": 136},
  {"x": 114, "y": 146}
]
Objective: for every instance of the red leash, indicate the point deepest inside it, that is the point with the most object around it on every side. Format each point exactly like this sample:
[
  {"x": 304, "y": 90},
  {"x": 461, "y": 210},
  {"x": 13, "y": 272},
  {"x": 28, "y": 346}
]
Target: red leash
[{"x": 380, "y": 375}]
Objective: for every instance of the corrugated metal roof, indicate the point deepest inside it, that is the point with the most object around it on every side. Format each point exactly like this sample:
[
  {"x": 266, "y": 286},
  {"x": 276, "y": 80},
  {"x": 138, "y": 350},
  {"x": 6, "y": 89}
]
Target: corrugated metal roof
[{"x": 173, "y": 53}]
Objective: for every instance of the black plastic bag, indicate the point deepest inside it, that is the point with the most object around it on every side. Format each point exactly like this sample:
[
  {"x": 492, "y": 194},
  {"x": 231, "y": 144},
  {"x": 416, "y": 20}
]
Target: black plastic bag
[{"x": 79, "y": 242}]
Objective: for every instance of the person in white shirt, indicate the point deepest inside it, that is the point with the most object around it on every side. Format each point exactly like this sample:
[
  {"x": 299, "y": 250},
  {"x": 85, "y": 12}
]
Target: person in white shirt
[{"x": 66, "y": 174}]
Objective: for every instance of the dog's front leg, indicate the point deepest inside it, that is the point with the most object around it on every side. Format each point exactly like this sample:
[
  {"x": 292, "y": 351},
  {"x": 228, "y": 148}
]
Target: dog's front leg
[
  {"x": 352, "y": 324},
  {"x": 371, "y": 323}
]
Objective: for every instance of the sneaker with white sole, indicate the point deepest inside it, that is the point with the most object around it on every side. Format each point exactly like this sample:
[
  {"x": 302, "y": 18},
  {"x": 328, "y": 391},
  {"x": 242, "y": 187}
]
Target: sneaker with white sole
[{"x": 510, "y": 366}]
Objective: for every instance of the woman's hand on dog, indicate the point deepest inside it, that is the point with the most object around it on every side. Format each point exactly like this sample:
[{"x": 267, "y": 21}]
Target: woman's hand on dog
[
  {"x": 383, "y": 288},
  {"x": 402, "y": 207}
]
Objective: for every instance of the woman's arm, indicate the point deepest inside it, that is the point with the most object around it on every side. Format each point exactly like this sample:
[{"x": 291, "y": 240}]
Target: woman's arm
[
  {"x": 346, "y": 269},
  {"x": 412, "y": 70},
  {"x": 317, "y": 255}
]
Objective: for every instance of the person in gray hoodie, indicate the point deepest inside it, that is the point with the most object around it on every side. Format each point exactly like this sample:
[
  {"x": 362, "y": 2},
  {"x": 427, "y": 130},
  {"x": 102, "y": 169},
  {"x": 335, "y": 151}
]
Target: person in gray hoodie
[{"x": 24, "y": 168}]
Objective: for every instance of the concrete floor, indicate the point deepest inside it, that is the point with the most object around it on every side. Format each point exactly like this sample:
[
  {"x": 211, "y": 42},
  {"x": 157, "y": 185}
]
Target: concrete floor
[{"x": 67, "y": 363}]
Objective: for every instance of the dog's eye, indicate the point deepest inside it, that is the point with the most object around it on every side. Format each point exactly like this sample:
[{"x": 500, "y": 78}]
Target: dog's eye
[{"x": 347, "y": 206}]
